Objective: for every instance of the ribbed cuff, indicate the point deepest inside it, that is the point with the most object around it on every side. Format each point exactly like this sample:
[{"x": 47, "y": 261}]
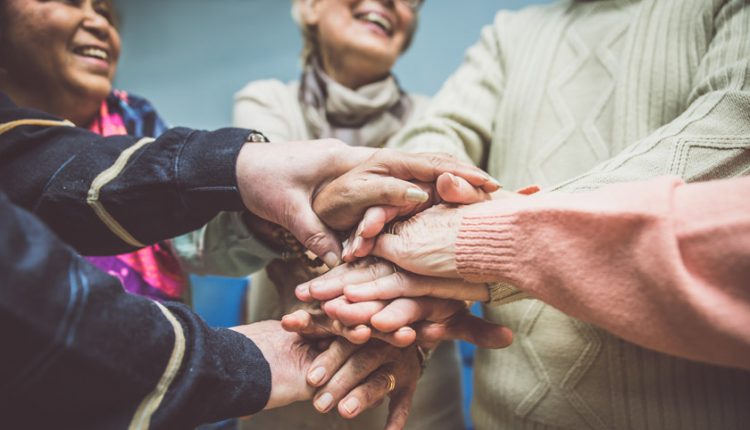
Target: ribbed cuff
[
  {"x": 485, "y": 247},
  {"x": 485, "y": 252}
]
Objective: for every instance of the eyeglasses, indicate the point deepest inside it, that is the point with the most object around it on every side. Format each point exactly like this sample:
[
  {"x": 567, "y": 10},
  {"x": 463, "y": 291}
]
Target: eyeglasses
[{"x": 413, "y": 4}]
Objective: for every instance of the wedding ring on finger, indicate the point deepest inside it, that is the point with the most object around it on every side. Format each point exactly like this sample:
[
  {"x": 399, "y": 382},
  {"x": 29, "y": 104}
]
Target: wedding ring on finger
[{"x": 391, "y": 382}]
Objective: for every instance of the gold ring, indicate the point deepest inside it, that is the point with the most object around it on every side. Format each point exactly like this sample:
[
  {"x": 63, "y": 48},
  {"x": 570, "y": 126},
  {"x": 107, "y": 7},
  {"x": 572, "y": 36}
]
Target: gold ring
[{"x": 391, "y": 382}]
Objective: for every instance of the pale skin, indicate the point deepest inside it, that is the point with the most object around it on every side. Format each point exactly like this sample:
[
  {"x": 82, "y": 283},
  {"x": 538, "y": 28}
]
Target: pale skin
[{"x": 355, "y": 51}]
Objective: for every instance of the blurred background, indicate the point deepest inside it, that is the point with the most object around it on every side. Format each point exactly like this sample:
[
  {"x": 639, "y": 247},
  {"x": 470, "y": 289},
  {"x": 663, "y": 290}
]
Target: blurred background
[{"x": 188, "y": 57}]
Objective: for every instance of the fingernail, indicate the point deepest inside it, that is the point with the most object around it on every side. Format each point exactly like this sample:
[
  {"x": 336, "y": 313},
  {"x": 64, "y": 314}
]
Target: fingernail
[
  {"x": 351, "y": 405},
  {"x": 347, "y": 249},
  {"x": 331, "y": 260},
  {"x": 324, "y": 402},
  {"x": 357, "y": 243},
  {"x": 302, "y": 290},
  {"x": 317, "y": 375},
  {"x": 416, "y": 195},
  {"x": 495, "y": 181},
  {"x": 453, "y": 179},
  {"x": 360, "y": 229}
]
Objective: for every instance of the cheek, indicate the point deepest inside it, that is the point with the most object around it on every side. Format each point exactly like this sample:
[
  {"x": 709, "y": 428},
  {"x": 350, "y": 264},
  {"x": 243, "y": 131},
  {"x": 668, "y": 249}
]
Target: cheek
[
  {"x": 42, "y": 33},
  {"x": 115, "y": 43}
]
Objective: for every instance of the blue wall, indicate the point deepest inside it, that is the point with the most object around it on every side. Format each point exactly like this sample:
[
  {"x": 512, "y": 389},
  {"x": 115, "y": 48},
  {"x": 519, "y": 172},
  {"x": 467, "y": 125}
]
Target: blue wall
[{"x": 189, "y": 56}]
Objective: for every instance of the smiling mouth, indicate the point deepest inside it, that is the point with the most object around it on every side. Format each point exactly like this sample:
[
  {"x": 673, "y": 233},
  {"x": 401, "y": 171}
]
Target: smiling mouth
[
  {"x": 378, "y": 20},
  {"x": 92, "y": 52}
]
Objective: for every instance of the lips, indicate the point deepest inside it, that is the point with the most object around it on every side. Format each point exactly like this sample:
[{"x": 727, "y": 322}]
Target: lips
[{"x": 377, "y": 19}]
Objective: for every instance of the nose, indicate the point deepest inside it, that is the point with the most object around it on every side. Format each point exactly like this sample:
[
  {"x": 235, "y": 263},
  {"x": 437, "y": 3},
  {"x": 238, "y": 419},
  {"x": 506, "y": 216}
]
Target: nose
[{"x": 95, "y": 23}]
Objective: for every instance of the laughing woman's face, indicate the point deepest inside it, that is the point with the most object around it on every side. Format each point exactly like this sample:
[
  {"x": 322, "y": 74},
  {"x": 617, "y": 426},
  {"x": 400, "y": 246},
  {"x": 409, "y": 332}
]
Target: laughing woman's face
[
  {"x": 59, "y": 48},
  {"x": 372, "y": 33}
]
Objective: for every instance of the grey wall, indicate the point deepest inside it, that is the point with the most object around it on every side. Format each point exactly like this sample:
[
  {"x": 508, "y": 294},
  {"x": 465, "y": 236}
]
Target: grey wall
[{"x": 189, "y": 56}]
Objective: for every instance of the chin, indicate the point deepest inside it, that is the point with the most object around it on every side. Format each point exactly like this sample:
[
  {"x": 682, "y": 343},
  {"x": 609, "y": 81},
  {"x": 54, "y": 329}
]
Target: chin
[{"x": 95, "y": 90}]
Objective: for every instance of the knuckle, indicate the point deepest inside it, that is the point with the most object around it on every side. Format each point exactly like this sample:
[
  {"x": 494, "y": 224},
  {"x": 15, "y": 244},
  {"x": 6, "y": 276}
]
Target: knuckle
[
  {"x": 400, "y": 280},
  {"x": 315, "y": 240}
]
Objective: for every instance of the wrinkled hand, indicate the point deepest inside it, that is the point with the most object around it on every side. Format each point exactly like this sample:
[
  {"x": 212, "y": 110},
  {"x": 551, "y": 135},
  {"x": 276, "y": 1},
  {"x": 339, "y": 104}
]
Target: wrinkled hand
[
  {"x": 433, "y": 320},
  {"x": 370, "y": 312},
  {"x": 448, "y": 188},
  {"x": 353, "y": 374},
  {"x": 372, "y": 278},
  {"x": 425, "y": 243},
  {"x": 399, "y": 183},
  {"x": 289, "y": 356},
  {"x": 316, "y": 324},
  {"x": 277, "y": 182},
  {"x": 355, "y": 377}
]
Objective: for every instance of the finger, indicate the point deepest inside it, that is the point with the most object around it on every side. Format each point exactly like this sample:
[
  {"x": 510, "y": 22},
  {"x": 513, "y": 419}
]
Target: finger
[
  {"x": 357, "y": 368},
  {"x": 351, "y": 314},
  {"x": 375, "y": 219},
  {"x": 363, "y": 249},
  {"x": 331, "y": 285},
  {"x": 344, "y": 202},
  {"x": 527, "y": 191},
  {"x": 305, "y": 225},
  {"x": 359, "y": 334},
  {"x": 400, "y": 338},
  {"x": 297, "y": 321},
  {"x": 388, "y": 247},
  {"x": 453, "y": 189},
  {"x": 466, "y": 327},
  {"x": 402, "y": 312},
  {"x": 331, "y": 307},
  {"x": 305, "y": 324},
  {"x": 325, "y": 365},
  {"x": 402, "y": 284},
  {"x": 398, "y": 409},
  {"x": 426, "y": 167},
  {"x": 322, "y": 326},
  {"x": 368, "y": 394}
]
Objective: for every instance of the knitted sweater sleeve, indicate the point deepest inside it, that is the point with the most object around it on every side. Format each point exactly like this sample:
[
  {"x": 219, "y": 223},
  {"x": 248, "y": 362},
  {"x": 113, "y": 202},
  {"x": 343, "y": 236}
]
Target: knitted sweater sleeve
[
  {"x": 715, "y": 120},
  {"x": 662, "y": 264},
  {"x": 459, "y": 119}
]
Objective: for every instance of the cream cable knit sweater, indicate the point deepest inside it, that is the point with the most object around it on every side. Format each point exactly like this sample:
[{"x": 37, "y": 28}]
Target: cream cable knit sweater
[{"x": 573, "y": 96}]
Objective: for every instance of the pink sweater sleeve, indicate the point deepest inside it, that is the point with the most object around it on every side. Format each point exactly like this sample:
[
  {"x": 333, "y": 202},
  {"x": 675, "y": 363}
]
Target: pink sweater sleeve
[{"x": 659, "y": 263}]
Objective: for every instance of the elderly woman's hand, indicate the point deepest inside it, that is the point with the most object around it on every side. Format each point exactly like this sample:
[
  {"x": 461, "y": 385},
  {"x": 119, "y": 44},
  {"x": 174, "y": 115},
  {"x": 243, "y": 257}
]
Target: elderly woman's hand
[
  {"x": 373, "y": 278},
  {"x": 433, "y": 320},
  {"x": 400, "y": 184},
  {"x": 316, "y": 324},
  {"x": 425, "y": 243},
  {"x": 279, "y": 182}
]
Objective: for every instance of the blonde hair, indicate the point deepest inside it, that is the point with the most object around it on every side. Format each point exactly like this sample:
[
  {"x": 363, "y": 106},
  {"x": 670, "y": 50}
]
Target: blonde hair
[{"x": 310, "y": 38}]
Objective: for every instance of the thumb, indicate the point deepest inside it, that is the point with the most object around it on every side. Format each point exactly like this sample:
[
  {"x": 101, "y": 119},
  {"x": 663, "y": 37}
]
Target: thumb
[
  {"x": 314, "y": 235},
  {"x": 453, "y": 189},
  {"x": 388, "y": 246}
]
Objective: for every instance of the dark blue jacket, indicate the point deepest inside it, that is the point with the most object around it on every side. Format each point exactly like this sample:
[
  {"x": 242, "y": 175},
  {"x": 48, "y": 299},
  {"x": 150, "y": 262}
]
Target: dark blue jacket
[{"x": 77, "y": 351}]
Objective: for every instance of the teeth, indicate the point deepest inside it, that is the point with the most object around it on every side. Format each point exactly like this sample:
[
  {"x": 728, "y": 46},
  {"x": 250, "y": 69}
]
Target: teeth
[
  {"x": 95, "y": 52},
  {"x": 378, "y": 20}
]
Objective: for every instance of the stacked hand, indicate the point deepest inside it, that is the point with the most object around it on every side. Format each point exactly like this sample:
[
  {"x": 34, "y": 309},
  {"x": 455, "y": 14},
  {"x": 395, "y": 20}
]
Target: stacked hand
[
  {"x": 278, "y": 182},
  {"x": 367, "y": 338},
  {"x": 373, "y": 303}
]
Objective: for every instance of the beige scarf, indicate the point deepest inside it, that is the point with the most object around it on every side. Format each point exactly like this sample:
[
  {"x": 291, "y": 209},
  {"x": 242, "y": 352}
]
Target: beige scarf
[{"x": 368, "y": 116}]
